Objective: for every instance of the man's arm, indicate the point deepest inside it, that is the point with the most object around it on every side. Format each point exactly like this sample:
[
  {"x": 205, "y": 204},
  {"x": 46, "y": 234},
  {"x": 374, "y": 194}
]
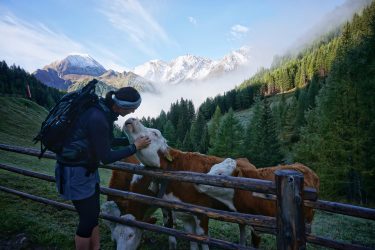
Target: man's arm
[{"x": 98, "y": 130}]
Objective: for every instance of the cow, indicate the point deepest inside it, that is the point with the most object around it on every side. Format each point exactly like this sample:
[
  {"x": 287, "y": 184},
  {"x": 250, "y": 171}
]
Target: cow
[
  {"x": 133, "y": 234},
  {"x": 159, "y": 154},
  {"x": 252, "y": 202}
]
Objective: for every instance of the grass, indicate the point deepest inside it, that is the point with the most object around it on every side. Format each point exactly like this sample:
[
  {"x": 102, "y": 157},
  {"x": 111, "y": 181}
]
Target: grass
[{"x": 54, "y": 229}]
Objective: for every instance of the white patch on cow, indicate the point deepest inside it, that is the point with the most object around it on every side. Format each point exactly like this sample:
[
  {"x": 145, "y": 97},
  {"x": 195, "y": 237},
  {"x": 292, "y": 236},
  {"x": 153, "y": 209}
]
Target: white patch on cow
[
  {"x": 200, "y": 231},
  {"x": 172, "y": 243},
  {"x": 264, "y": 196},
  {"x": 224, "y": 195},
  {"x": 190, "y": 222},
  {"x": 154, "y": 187},
  {"x": 110, "y": 208},
  {"x": 148, "y": 156},
  {"x": 137, "y": 177}
]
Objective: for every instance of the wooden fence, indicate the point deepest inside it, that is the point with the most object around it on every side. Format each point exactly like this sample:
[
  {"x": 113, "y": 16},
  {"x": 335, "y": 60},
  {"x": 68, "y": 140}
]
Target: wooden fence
[{"x": 291, "y": 196}]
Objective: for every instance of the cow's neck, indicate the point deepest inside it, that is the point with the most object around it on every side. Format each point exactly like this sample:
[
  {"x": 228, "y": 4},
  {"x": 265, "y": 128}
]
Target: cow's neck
[{"x": 187, "y": 161}]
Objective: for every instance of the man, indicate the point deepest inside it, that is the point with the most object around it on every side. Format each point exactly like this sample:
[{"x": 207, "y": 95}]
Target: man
[{"x": 77, "y": 176}]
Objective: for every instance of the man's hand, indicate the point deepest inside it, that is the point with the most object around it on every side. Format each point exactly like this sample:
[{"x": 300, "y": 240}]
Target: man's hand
[{"x": 142, "y": 142}]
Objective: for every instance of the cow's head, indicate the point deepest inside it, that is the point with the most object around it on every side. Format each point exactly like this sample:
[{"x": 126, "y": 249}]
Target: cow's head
[
  {"x": 126, "y": 237},
  {"x": 224, "y": 168},
  {"x": 148, "y": 156}
]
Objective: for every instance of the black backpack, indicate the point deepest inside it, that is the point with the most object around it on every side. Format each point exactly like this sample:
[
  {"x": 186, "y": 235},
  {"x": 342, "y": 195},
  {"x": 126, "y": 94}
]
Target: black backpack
[{"x": 59, "y": 122}]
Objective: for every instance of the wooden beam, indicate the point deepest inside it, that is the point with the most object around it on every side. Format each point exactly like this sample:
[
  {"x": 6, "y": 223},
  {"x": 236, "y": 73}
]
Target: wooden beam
[
  {"x": 334, "y": 243},
  {"x": 268, "y": 223},
  {"x": 341, "y": 208},
  {"x": 255, "y": 185},
  {"x": 290, "y": 218},
  {"x": 142, "y": 225}
]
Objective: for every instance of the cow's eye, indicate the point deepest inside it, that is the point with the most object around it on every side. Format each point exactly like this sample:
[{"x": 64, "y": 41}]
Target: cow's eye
[{"x": 156, "y": 134}]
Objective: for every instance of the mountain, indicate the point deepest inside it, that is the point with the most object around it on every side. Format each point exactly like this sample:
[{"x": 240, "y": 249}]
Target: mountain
[
  {"x": 112, "y": 80},
  {"x": 76, "y": 70},
  {"x": 77, "y": 64},
  {"x": 192, "y": 68}
]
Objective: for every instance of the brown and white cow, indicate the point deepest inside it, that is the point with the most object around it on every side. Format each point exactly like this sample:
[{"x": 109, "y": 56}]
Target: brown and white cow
[
  {"x": 252, "y": 202},
  {"x": 159, "y": 154}
]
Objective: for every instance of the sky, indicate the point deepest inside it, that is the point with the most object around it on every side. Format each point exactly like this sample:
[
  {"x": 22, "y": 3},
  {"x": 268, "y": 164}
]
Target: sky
[{"x": 122, "y": 34}]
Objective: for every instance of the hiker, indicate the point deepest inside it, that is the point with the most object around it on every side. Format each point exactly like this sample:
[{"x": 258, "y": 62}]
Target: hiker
[{"x": 89, "y": 143}]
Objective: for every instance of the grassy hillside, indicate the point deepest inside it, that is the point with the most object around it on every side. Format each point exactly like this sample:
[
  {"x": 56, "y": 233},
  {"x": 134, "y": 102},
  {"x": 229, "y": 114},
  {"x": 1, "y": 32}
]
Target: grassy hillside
[
  {"x": 20, "y": 121},
  {"x": 53, "y": 228}
]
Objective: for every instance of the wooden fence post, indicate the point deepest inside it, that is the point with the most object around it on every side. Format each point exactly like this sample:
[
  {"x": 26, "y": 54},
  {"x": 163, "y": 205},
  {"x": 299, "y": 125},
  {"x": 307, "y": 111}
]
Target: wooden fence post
[{"x": 290, "y": 216}]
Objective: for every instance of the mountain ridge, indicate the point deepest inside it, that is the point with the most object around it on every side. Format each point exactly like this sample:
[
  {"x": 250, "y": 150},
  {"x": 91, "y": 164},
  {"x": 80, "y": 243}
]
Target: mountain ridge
[
  {"x": 77, "y": 69},
  {"x": 193, "y": 68}
]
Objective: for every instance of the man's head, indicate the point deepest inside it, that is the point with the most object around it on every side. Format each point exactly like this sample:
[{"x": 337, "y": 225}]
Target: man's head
[{"x": 124, "y": 100}]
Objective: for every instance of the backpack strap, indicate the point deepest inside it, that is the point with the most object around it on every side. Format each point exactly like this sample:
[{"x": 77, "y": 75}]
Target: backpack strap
[{"x": 42, "y": 151}]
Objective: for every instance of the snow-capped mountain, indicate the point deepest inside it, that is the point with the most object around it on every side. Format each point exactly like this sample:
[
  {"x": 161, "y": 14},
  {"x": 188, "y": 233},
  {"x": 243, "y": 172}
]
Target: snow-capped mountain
[
  {"x": 192, "y": 68},
  {"x": 78, "y": 64},
  {"x": 152, "y": 70},
  {"x": 75, "y": 70}
]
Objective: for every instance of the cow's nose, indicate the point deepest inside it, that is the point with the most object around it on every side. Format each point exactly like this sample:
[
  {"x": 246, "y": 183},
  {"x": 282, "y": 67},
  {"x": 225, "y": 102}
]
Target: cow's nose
[{"x": 129, "y": 121}]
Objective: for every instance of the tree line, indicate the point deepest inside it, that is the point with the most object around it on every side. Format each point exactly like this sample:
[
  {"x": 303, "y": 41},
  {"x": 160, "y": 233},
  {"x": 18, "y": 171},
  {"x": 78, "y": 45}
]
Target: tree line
[
  {"x": 317, "y": 108},
  {"x": 14, "y": 81}
]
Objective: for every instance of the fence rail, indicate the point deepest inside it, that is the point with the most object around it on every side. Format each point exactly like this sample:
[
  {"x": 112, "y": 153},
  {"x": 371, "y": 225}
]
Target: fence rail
[
  {"x": 138, "y": 224},
  {"x": 288, "y": 225},
  {"x": 255, "y": 185},
  {"x": 254, "y": 220}
]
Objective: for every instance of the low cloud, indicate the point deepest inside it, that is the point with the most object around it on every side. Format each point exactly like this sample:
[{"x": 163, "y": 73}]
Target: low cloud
[
  {"x": 329, "y": 22},
  {"x": 198, "y": 92}
]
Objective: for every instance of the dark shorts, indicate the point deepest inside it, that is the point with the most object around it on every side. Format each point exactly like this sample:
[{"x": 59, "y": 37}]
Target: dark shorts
[{"x": 88, "y": 210}]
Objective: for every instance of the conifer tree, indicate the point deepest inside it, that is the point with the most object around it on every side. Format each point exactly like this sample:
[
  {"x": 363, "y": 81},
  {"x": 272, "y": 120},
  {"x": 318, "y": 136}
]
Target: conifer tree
[
  {"x": 196, "y": 130},
  {"x": 161, "y": 121},
  {"x": 205, "y": 140},
  {"x": 214, "y": 125},
  {"x": 170, "y": 133},
  {"x": 186, "y": 144},
  {"x": 229, "y": 141},
  {"x": 262, "y": 144},
  {"x": 301, "y": 108}
]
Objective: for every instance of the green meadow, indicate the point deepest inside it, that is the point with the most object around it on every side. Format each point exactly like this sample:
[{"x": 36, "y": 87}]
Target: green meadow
[{"x": 51, "y": 228}]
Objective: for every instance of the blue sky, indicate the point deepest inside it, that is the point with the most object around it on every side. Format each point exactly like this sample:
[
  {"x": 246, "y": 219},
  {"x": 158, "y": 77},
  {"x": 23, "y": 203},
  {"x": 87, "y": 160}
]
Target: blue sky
[{"x": 122, "y": 34}]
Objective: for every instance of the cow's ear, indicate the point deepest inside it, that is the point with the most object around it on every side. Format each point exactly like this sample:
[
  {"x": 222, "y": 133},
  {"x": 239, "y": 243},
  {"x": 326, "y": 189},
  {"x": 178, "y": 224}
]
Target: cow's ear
[
  {"x": 168, "y": 156},
  {"x": 165, "y": 154},
  {"x": 237, "y": 172}
]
